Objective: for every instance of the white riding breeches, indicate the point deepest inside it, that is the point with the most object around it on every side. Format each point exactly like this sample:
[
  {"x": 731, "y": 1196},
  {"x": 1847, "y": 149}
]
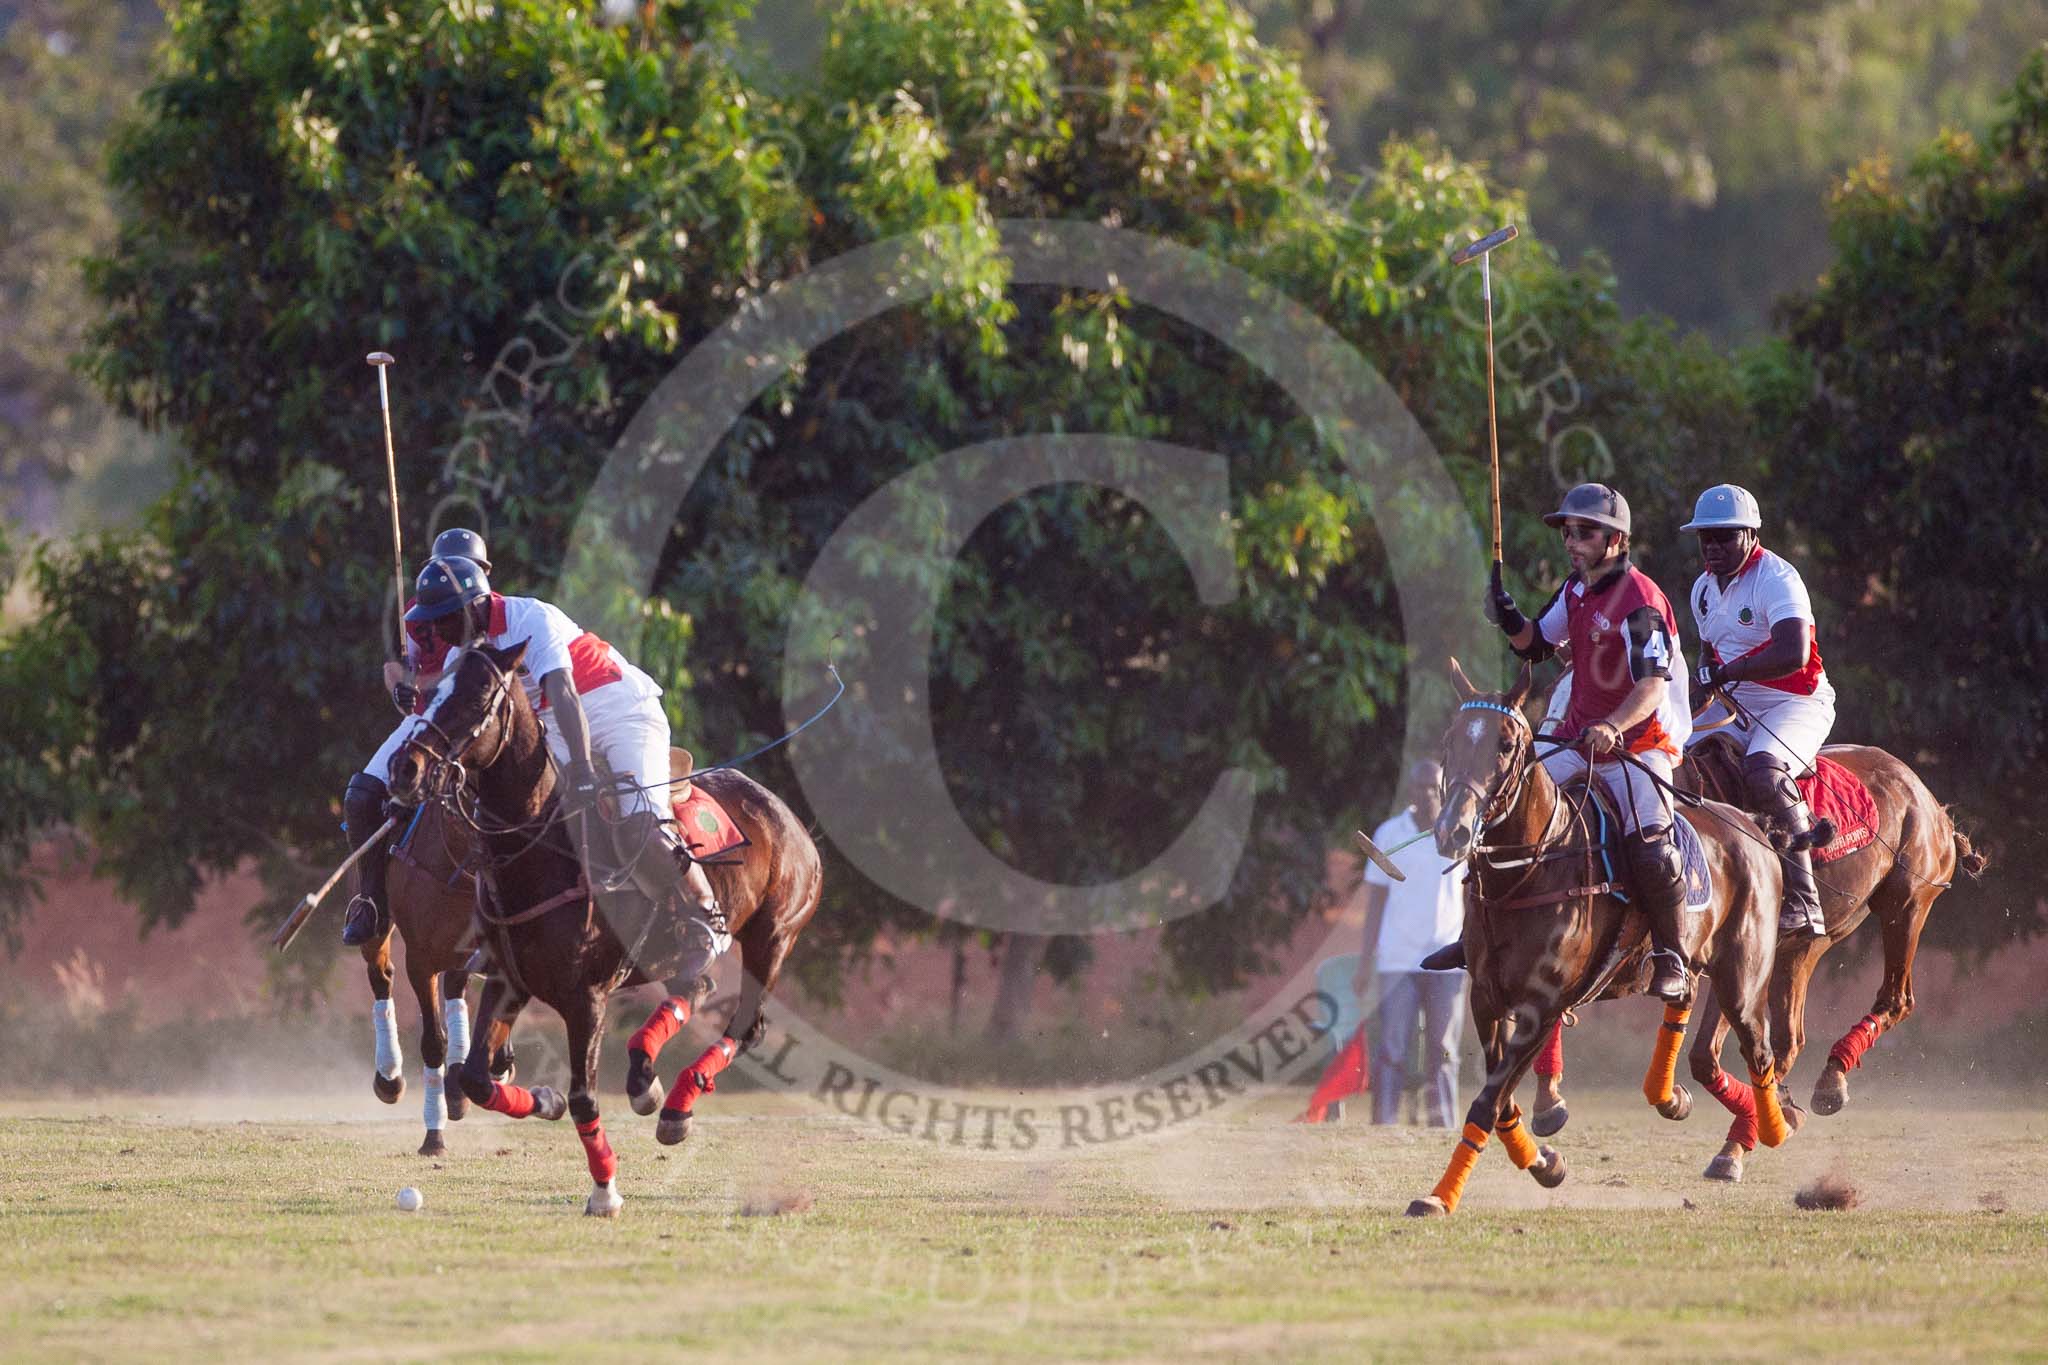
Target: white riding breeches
[
  {"x": 1786, "y": 724},
  {"x": 631, "y": 735},
  {"x": 1644, "y": 803}
]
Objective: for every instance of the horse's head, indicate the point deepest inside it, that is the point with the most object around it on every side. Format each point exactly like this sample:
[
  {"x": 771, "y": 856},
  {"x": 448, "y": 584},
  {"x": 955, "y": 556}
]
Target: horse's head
[
  {"x": 466, "y": 722},
  {"x": 1486, "y": 752}
]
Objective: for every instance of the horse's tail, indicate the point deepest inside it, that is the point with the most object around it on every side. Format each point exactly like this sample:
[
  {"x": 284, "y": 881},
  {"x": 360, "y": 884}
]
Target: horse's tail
[{"x": 1968, "y": 860}]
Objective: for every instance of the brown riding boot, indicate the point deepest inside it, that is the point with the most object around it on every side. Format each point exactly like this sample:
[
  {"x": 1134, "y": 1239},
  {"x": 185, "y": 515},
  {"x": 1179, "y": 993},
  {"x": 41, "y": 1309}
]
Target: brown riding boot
[{"x": 1657, "y": 883}]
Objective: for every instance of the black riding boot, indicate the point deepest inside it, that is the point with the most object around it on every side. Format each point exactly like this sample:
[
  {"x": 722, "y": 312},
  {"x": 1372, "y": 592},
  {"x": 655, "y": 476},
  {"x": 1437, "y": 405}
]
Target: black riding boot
[
  {"x": 1775, "y": 799},
  {"x": 362, "y": 814},
  {"x": 676, "y": 883},
  {"x": 1658, "y": 883}
]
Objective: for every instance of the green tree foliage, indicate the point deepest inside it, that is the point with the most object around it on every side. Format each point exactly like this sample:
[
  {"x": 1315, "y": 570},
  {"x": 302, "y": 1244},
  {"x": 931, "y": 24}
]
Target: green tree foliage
[
  {"x": 1693, "y": 144},
  {"x": 310, "y": 180},
  {"x": 1907, "y": 416},
  {"x": 68, "y": 68}
]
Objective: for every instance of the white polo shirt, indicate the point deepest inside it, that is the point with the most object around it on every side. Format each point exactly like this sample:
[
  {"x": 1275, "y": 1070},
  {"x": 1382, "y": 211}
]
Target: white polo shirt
[{"x": 1423, "y": 913}]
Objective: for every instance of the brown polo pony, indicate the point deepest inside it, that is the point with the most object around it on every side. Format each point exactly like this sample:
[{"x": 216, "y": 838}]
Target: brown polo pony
[
  {"x": 1544, "y": 932},
  {"x": 1896, "y": 879},
  {"x": 431, "y": 899},
  {"x": 483, "y": 755}
]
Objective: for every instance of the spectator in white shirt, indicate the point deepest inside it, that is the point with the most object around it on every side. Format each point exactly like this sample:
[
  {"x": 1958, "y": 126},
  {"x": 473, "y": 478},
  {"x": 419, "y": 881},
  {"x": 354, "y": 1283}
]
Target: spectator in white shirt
[{"x": 1404, "y": 921}]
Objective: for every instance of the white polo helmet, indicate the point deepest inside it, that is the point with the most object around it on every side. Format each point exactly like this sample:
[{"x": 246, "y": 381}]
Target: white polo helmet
[{"x": 1725, "y": 504}]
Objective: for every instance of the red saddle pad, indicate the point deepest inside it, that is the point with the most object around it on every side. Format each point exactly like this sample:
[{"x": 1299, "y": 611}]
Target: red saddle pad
[
  {"x": 1834, "y": 793},
  {"x": 706, "y": 830}
]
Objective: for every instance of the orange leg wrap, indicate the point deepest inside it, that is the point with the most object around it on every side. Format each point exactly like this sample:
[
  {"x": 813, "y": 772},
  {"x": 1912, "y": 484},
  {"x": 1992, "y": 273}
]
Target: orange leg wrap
[
  {"x": 1770, "y": 1119},
  {"x": 1521, "y": 1148},
  {"x": 1663, "y": 1072},
  {"x": 1451, "y": 1188}
]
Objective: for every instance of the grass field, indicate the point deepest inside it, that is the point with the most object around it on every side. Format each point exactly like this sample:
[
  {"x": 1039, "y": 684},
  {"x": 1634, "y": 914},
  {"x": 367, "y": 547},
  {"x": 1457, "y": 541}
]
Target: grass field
[{"x": 237, "y": 1228}]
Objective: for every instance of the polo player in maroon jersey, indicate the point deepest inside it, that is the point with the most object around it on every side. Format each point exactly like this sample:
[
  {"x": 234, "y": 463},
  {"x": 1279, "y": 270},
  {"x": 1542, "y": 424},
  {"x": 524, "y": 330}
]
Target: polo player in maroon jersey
[{"x": 1629, "y": 696}]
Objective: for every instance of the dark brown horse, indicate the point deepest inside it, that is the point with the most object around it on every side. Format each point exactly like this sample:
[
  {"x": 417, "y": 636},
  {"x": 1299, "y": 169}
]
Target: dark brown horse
[
  {"x": 431, "y": 899},
  {"x": 1895, "y": 879},
  {"x": 1544, "y": 931},
  {"x": 549, "y": 938}
]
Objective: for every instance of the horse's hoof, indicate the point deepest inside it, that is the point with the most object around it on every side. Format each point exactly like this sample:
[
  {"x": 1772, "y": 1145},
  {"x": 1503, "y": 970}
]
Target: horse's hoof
[
  {"x": 673, "y": 1128},
  {"x": 643, "y": 1088},
  {"x": 1429, "y": 1206},
  {"x": 388, "y": 1089},
  {"x": 1795, "y": 1117},
  {"x": 1679, "y": 1106},
  {"x": 1727, "y": 1166},
  {"x": 1550, "y": 1122},
  {"x": 1831, "y": 1091},
  {"x": 549, "y": 1103},
  {"x": 604, "y": 1202},
  {"x": 433, "y": 1146},
  {"x": 458, "y": 1103},
  {"x": 1549, "y": 1169}
]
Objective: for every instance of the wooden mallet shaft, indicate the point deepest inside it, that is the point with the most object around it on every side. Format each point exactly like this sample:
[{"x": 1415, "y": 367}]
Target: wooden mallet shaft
[
  {"x": 1482, "y": 251},
  {"x": 296, "y": 920}
]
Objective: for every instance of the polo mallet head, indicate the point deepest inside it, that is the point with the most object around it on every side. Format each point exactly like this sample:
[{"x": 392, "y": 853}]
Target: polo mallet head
[
  {"x": 1379, "y": 859},
  {"x": 1472, "y": 251}
]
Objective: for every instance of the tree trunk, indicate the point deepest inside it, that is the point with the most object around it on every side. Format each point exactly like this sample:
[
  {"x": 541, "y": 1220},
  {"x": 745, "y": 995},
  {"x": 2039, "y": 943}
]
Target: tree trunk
[{"x": 1014, "y": 980}]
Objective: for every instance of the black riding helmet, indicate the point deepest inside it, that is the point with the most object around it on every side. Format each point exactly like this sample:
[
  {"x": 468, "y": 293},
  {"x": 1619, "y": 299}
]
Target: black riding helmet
[
  {"x": 447, "y": 585},
  {"x": 461, "y": 543}
]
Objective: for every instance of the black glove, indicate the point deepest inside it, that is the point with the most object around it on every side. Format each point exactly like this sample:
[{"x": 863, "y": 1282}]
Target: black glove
[
  {"x": 1712, "y": 675},
  {"x": 1500, "y": 605},
  {"x": 405, "y": 696},
  {"x": 581, "y": 787}
]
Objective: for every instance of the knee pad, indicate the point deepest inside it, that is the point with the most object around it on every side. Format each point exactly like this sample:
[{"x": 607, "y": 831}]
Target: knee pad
[
  {"x": 1768, "y": 783},
  {"x": 362, "y": 806},
  {"x": 1654, "y": 850}
]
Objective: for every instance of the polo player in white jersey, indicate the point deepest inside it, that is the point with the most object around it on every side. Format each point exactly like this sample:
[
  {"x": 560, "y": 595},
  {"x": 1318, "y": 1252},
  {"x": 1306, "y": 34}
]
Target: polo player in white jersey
[
  {"x": 590, "y": 701},
  {"x": 1757, "y": 644},
  {"x": 362, "y": 805}
]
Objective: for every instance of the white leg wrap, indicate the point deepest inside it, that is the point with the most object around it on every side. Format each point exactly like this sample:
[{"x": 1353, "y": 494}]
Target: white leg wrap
[
  {"x": 384, "y": 1018},
  {"x": 455, "y": 1018},
  {"x": 435, "y": 1107}
]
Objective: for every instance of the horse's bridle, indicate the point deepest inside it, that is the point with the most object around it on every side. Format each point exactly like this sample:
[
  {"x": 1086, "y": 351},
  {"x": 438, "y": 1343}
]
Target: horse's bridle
[
  {"x": 445, "y": 771},
  {"x": 1494, "y": 809}
]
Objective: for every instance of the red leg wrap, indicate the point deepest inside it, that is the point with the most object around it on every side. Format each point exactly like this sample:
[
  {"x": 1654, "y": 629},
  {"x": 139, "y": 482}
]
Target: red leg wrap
[
  {"x": 597, "y": 1150},
  {"x": 665, "y": 1023},
  {"x": 697, "y": 1079},
  {"x": 513, "y": 1101},
  {"x": 1849, "y": 1052},
  {"x": 1738, "y": 1100},
  {"x": 1550, "y": 1057}
]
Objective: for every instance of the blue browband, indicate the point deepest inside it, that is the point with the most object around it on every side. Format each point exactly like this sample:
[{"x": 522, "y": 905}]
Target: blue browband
[{"x": 1492, "y": 706}]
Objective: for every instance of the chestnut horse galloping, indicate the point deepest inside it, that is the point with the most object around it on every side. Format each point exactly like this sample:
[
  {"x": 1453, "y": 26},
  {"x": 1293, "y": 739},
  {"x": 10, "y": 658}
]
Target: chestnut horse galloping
[
  {"x": 1897, "y": 878},
  {"x": 544, "y": 930},
  {"x": 1544, "y": 931}
]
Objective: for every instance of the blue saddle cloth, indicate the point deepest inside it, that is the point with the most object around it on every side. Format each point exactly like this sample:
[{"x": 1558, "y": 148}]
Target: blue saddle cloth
[
  {"x": 1692, "y": 856},
  {"x": 1692, "y": 853}
]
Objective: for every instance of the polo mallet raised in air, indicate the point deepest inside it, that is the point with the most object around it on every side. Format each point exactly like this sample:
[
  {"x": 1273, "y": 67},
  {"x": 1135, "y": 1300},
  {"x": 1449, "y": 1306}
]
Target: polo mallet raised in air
[
  {"x": 296, "y": 920},
  {"x": 383, "y": 361},
  {"x": 1482, "y": 251}
]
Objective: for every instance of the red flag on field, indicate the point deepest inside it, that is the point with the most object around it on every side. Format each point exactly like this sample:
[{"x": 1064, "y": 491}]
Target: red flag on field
[{"x": 1347, "y": 1074}]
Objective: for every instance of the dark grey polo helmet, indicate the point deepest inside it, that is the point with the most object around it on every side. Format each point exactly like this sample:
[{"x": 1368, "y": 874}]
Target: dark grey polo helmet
[{"x": 1594, "y": 502}]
